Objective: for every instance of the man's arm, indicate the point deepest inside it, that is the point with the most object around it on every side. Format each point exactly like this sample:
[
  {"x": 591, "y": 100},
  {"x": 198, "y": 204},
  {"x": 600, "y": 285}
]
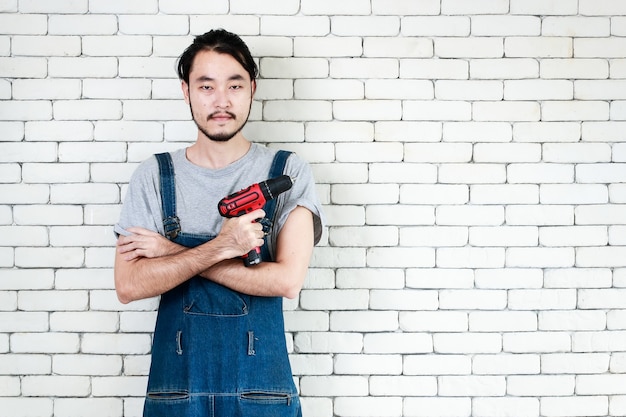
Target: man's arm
[
  {"x": 286, "y": 275},
  {"x": 138, "y": 276}
]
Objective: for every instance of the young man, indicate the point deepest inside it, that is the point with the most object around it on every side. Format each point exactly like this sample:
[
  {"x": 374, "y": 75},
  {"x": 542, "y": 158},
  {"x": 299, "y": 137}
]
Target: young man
[{"x": 219, "y": 346}]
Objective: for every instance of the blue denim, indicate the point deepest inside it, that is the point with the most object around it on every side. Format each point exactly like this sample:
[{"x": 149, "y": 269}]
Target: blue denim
[{"x": 217, "y": 352}]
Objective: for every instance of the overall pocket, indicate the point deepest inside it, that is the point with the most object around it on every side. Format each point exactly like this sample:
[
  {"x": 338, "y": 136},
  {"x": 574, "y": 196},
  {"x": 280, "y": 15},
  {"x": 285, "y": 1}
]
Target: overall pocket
[
  {"x": 269, "y": 404},
  {"x": 204, "y": 297}
]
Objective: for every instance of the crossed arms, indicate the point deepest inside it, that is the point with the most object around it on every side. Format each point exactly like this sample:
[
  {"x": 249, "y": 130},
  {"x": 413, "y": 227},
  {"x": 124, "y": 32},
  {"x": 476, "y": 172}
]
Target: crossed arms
[{"x": 147, "y": 264}]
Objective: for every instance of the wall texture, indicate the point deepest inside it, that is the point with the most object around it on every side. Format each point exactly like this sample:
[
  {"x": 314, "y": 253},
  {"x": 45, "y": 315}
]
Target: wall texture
[{"x": 470, "y": 154}]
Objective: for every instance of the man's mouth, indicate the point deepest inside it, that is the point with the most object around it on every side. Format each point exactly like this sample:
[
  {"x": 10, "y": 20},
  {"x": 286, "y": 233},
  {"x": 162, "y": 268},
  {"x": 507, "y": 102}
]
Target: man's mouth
[{"x": 221, "y": 116}]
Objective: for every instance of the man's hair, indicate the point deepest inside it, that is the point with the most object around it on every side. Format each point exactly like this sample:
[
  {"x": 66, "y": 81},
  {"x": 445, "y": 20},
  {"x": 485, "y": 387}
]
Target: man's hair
[{"x": 223, "y": 42}]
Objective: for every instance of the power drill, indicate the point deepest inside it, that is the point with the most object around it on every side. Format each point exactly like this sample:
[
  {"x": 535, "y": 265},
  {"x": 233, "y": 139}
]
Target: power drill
[{"x": 252, "y": 198}]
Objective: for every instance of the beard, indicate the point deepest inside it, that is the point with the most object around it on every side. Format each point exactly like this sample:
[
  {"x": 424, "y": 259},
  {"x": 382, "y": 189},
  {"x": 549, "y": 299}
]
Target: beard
[{"x": 223, "y": 136}]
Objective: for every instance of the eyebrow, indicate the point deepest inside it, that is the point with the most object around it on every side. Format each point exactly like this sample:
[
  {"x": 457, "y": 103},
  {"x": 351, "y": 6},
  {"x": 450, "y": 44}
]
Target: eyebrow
[{"x": 236, "y": 77}]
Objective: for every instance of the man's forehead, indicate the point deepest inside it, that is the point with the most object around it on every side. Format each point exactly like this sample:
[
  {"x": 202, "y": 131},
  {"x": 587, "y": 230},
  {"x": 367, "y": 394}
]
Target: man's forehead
[{"x": 214, "y": 65}]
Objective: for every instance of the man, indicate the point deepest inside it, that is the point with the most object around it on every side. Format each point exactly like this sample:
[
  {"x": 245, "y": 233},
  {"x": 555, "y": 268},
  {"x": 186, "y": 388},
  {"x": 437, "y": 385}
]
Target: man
[{"x": 219, "y": 346}]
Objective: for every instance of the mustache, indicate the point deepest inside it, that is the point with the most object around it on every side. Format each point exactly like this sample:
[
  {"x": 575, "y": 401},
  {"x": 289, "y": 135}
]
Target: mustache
[{"x": 221, "y": 113}]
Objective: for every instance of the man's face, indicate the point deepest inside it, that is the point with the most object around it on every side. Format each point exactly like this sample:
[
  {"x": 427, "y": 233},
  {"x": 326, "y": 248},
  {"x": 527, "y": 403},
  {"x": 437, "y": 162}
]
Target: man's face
[{"x": 219, "y": 95}]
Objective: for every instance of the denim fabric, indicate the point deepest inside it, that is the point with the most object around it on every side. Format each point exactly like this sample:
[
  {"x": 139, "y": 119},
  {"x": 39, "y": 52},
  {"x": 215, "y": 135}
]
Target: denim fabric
[{"x": 217, "y": 352}]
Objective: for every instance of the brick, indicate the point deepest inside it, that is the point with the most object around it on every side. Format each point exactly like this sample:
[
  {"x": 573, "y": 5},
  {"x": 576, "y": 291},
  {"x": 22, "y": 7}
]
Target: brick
[
  {"x": 536, "y": 342},
  {"x": 153, "y": 25},
  {"x": 575, "y": 406},
  {"x": 503, "y": 236},
  {"x": 434, "y": 236},
  {"x": 321, "y": 386},
  {"x": 603, "y": 131},
  {"x": 544, "y": 299},
  {"x": 578, "y": 278},
  {"x": 452, "y": 69},
  {"x": 572, "y": 320},
  {"x": 540, "y": 257},
  {"x": 75, "y": 152},
  {"x": 506, "y": 152},
  {"x": 471, "y": 90},
  {"x": 542, "y": 7},
  {"x": 24, "y": 194},
  {"x": 371, "y": 321},
  {"x": 365, "y": 25},
  {"x": 15, "y": 279},
  {"x": 541, "y": 47},
  {"x": 378, "y": 47},
  {"x": 117, "y": 88},
  {"x": 331, "y": 47},
  {"x": 439, "y": 278},
  {"x": 401, "y": 257},
  {"x": 539, "y": 90},
  {"x": 573, "y": 236},
  {"x": 590, "y": 47},
  {"x": 241, "y": 24},
  {"x": 456, "y": 343},
  {"x": 473, "y": 215},
  {"x": 371, "y": 364},
  {"x": 388, "y": 343},
  {"x": 503, "y": 68},
  {"x": 313, "y": 89},
  {"x": 46, "y": 89},
  {"x": 606, "y": 7},
  {"x": 83, "y": 67},
  {"x": 87, "y": 109},
  {"x": 96, "y": 407},
  {"x": 404, "y": 300},
  {"x": 151, "y": 110},
  {"x": 477, "y": 7},
  {"x": 405, "y": 7},
  {"x": 46, "y": 45},
  {"x": 405, "y": 172},
  {"x": 579, "y": 110},
  {"x": 477, "y": 131},
  {"x": 577, "y": 68},
  {"x": 27, "y": 407},
  {"x": 540, "y": 173},
  {"x": 301, "y": 110},
  {"x": 368, "y": 406},
  {"x": 70, "y": 24},
  {"x": 497, "y": 25},
  {"x": 13, "y": 131},
  {"x": 328, "y": 7},
  {"x": 434, "y": 321},
  {"x": 498, "y": 111},
  {"x": 332, "y": 299},
  {"x": 23, "y": 24},
  {"x": 25, "y": 110},
  {"x": 28, "y": 152},
  {"x": 553, "y": 385},
  {"x": 504, "y": 194},
  {"x": 295, "y": 25},
  {"x": 435, "y": 26},
  {"x": 370, "y": 278},
  {"x": 47, "y": 215},
  {"x": 53, "y": 301},
  {"x": 600, "y": 214},
  {"x": 573, "y": 194},
  {"x": 55, "y": 173},
  {"x": 575, "y": 363},
  {"x": 332, "y": 342},
  {"x": 406, "y": 386},
  {"x": 438, "y": 407},
  {"x": 507, "y": 364},
  {"x": 59, "y": 131},
  {"x": 116, "y": 386},
  {"x": 437, "y": 110},
  {"x": 407, "y": 131},
  {"x": 44, "y": 343},
  {"x": 473, "y": 47},
  {"x": 368, "y": 152},
  {"x": 472, "y": 300},
  {"x": 19, "y": 364},
  {"x": 576, "y": 26}
]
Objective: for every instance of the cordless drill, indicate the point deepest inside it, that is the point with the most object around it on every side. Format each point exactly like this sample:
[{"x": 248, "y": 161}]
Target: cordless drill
[{"x": 252, "y": 198}]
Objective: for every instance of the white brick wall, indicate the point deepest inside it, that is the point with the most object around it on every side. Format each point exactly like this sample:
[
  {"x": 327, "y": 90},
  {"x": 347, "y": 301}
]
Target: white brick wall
[{"x": 471, "y": 157}]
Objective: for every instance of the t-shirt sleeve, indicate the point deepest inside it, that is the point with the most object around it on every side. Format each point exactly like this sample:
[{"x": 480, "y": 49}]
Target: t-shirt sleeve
[
  {"x": 303, "y": 193},
  {"x": 142, "y": 207}
]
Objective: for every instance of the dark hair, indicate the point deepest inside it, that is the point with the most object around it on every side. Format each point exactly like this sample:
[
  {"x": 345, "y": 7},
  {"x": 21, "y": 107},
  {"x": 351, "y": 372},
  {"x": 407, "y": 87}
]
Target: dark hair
[{"x": 218, "y": 40}]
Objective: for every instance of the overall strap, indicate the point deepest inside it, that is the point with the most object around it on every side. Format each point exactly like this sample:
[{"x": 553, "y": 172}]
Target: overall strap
[
  {"x": 277, "y": 168},
  {"x": 171, "y": 223}
]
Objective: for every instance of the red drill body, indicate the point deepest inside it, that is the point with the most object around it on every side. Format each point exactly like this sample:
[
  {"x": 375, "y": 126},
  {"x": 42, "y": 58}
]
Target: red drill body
[{"x": 252, "y": 198}]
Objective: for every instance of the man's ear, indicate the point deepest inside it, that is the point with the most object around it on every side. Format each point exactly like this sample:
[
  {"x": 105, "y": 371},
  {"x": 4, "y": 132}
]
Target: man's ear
[
  {"x": 185, "y": 87},
  {"x": 253, "y": 83}
]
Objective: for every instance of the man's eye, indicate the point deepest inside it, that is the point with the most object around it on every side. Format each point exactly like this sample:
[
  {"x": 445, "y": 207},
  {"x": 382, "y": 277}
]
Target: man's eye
[
  {"x": 236, "y": 87},
  {"x": 206, "y": 87}
]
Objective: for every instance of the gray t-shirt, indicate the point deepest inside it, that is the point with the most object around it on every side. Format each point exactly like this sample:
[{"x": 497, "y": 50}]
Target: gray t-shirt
[{"x": 198, "y": 190}]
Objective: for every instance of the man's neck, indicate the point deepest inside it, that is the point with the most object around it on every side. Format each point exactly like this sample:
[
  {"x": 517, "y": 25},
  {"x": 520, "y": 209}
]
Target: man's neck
[{"x": 210, "y": 154}]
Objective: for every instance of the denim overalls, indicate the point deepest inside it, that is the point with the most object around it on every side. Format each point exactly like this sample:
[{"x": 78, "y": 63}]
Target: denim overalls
[{"x": 217, "y": 352}]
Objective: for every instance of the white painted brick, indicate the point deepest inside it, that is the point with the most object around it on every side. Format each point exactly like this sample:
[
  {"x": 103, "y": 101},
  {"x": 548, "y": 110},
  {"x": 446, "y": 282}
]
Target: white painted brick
[
  {"x": 607, "y": 7},
  {"x": 46, "y": 46},
  {"x": 503, "y": 68},
  {"x": 436, "y": 110},
  {"x": 327, "y": 47},
  {"x": 328, "y": 7},
  {"x": 503, "y": 364},
  {"x": 544, "y": 7},
  {"x": 506, "y": 406},
  {"x": 574, "y": 68},
  {"x": 539, "y": 215},
  {"x": 116, "y": 386},
  {"x": 574, "y": 406},
  {"x": 370, "y": 278},
  {"x": 456, "y": 343},
  {"x": 332, "y": 299},
  {"x": 490, "y": 25},
  {"x": 372, "y": 364},
  {"x": 547, "y": 132},
  {"x": 401, "y": 257},
  {"x": 328, "y": 342},
  {"x": 475, "y": 173},
  {"x": 578, "y": 278},
  {"x": 23, "y": 24},
  {"x": 240, "y": 24},
  {"x": 573, "y": 236},
  {"x": 472, "y": 299},
  {"x": 87, "y": 365},
  {"x": 539, "y": 90},
  {"x": 55, "y": 130},
  {"x": 55, "y": 173},
  {"x": 116, "y": 88},
  {"x": 96, "y": 407},
  {"x": 505, "y": 194},
  {"x": 575, "y": 363},
  {"x": 508, "y": 278},
  {"x": 439, "y": 278},
  {"x": 405, "y": 7},
  {"x": 598, "y": 341},
  {"x": 573, "y": 194},
  {"x": 312, "y": 89},
  {"x": 10, "y": 386},
  {"x": 503, "y": 236},
  {"x": 600, "y": 214},
  {"x": 15, "y": 279},
  {"x": 25, "y": 110},
  {"x": 28, "y": 152},
  {"x": 403, "y": 300},
  {"x": 87, "y": 109},
  {"x": 297, "y": 110},
  {"x": 471, "y": 90},
  {"x": 368, "y": 406},
  {"x": 344, "y": 215},
  {"x": 321, "y": 386},
  {"x": 12, "y": 131},
  {"x": 294, "y": 68},
  {"x": 438, "y": 407},
  {"x": 83, "y": 24},
  {"x": 370, "y": 321},
  {"x": 28, "y": 407},
  {"x": 295, "y": 25},
  {"x": 434, "y": 321},
  {"x": 408, "y": 131},
  {"x": 82, "y": 321},
  {"x": 473, "y": 215},
  {"x": 83, "y": 67},
  {"x": 406, "y": 172},
  {"x": 434, "y": 236},
  {"x": 471, "y": 47},
  {"x": 576, "y": 26},
  {"x": 437, "y": 365},
  {"x": 529, "y": 385},
  {"x": 365, "y": 25},
  {"x": 499, "y": 111},
  {"x": 540, "y": 173},
  {"x": 398, "y": 89},
  {"x": 425, "y": 26},
  {"x": 35, "y": 89},
  {"x": 45, "y": 343},
  {"x": 479, "y": 386},
  {"x": 397, "y": 47},
  {"x": 572, "y": 320},
  {"x": 470, "y": 257},
  {"x": 47, "y": 215},
  {"x": 452, "y": 69},
  {"x": 536, "y": 342},
  {"x": 406, "y": 386},
  {"x": 153, "y": 25},
  {"x": 28, "y": 257},
  {"x": 18, "y": 364},
  {"x": 545, "y": 299},
  {"x": 539, "y": 47},
  {"x": 53, "y": 300},
  {"x": 387, "y": 343},
  {"x": 540, "y": 257}
]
